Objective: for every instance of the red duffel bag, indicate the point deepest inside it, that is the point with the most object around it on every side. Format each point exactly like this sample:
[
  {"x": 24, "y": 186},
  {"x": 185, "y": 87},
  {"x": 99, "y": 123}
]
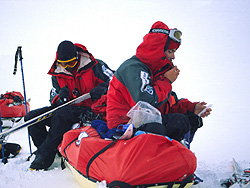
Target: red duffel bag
[{"x": 145, "y": 159}]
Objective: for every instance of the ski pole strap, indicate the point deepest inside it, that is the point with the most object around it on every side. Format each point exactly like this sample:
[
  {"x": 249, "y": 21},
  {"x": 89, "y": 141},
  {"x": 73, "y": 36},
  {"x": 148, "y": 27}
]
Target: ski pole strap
[
  {"x": 18, "y": 53},
  {"x": 15, "y": 66},
  {"x": 19, "y": 49}
]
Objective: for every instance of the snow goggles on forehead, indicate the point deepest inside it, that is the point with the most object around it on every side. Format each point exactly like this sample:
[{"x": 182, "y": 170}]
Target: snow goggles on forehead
[
  {"x": 70, "y": 64},
  {"x": 174, "y": 34}
]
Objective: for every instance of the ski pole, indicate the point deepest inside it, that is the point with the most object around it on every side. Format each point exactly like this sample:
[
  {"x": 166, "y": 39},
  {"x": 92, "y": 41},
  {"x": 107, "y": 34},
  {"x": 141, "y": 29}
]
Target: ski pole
[
  {"x": 19, "y": 53},
  {"x": 2, "y": 144}
]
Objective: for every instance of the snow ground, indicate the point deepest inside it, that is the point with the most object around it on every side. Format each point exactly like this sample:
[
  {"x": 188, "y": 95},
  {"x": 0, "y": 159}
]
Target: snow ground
[
  {"x": 16, "y": 172},
  {"x": 213, "y": 59}
]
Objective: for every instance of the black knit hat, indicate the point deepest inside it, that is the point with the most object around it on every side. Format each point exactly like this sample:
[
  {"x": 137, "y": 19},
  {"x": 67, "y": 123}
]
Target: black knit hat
[{"x": 66, "y": 51}]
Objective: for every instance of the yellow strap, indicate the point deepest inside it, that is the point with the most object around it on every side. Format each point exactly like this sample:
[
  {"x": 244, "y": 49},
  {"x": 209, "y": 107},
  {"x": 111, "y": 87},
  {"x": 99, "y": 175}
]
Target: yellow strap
[{"x": 66, "y": 60}]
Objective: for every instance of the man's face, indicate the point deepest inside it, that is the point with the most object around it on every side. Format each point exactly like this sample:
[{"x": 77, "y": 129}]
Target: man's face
[{"x": 170, "y": 54}]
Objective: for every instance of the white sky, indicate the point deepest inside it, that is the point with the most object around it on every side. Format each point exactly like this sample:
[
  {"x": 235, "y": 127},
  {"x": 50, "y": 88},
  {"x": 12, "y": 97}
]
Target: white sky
[{"x": 213, "y": 58}]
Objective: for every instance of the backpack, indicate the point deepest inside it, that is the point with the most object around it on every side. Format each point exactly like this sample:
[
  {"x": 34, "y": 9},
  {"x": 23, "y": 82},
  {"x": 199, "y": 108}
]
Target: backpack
[{"x": 13, "y": 105}]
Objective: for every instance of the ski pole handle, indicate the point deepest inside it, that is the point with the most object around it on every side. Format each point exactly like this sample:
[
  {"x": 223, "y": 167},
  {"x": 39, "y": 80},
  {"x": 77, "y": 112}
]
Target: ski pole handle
[
  {"x": 18, "y": 53},
  {"x": 15, "y": 66},
  {"x": 19, "y": 49}
]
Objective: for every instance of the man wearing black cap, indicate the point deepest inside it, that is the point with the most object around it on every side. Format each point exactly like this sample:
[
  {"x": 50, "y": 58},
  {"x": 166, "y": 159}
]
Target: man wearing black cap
[{"x": 74, "y": 72}]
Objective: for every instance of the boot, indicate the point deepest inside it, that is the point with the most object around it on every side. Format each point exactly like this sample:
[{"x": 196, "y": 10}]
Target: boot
[
  {"x": 43, "y": 160},
  {"x": 6, "y": 152},
  {"x": 13, "y": 148},
  {"x": 10, "y": 148}
]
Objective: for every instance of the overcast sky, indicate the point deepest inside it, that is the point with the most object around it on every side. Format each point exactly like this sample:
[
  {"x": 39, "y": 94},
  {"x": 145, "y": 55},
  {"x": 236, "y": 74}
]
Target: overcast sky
[{"x": 213, "y": 58}]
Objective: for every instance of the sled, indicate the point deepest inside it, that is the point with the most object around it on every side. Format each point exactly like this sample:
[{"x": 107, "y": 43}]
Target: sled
[
  {"x": 85, "y": 183},
  {"x": 240, "y": 178},
  {"x": 143, "y": 161}
]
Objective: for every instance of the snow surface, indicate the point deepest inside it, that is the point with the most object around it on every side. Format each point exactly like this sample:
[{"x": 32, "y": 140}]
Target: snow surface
[
  {"x": 16, "y": 173},
  {"x": 213, "y": 59}
]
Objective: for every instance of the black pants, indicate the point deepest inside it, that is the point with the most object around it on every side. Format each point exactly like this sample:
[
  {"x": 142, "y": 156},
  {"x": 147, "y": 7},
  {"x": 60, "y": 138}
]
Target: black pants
[
  {"x": 60, "y": 122},
  {"x": 175, "y": 125}
]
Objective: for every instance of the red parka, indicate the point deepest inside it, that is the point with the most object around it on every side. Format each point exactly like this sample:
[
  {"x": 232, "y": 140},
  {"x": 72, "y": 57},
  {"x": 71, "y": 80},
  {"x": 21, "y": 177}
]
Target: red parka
[
  {"x": 89, "y": 74},
  {"x": 140, "y": 78}
]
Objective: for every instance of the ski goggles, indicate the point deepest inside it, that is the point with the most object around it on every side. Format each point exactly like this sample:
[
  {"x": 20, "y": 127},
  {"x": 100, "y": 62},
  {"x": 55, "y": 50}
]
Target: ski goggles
[
  {"x": 174, "y": 34},
  {"x": 70, "y": 63}
]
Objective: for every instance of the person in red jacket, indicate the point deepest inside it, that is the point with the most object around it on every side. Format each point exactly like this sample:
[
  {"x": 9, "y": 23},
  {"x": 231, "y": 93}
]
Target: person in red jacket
[
  {"x": 148, "y": 76},
  {"x": 74, "y": 72}
]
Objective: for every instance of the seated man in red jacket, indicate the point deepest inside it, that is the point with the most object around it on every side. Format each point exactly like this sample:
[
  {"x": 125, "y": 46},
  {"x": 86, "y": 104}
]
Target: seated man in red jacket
[
  {"x": 148, "y": 76},
  {"x": 74, "y": 72}
]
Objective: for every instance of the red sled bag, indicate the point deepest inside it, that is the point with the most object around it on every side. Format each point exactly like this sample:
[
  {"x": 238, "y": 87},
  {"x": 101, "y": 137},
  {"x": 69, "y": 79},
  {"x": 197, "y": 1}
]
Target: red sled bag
[
  {"x": 145, "y": 159},
  {"x": 12, "y": 105}
]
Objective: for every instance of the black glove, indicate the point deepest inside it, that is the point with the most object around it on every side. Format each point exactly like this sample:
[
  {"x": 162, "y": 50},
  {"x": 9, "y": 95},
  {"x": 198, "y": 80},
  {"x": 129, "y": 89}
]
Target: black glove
[
  {"x": 99, "y": 90},
  {"x": 86, "y": 115},
  {"x": 64, "y": 94}
]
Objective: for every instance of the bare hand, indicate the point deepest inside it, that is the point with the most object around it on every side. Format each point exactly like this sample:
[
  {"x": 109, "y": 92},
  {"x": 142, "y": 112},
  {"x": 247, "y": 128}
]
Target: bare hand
[
  {"x": 199, "y": 107},
  {"x": 172, "y": 74}
]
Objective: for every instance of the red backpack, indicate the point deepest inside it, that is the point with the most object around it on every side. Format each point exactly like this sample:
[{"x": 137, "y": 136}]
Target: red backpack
[{"x": 12, "y": 105}]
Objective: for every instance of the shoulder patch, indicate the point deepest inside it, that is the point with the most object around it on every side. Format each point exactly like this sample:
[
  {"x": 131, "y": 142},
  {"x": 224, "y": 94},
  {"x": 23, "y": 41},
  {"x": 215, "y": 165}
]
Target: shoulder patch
[
  {"x": 53, "y": 92},
  {"x": 145, "y": 82},
  {"x": 107, "y": 72}
]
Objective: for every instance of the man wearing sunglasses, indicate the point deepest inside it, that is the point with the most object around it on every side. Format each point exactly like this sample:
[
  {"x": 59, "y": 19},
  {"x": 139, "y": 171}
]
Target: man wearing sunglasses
[
  {"x": 148, "y": 76},
  {"x": 74, "y": 72}
]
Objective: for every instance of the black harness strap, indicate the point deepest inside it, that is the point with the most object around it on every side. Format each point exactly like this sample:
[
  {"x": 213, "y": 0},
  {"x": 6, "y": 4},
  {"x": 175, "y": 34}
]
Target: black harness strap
[
  {"x": 185, "y": 181},
  {"x": 170, "y": 185},
  {"x": 68, "y": 146},
  {"x": 119, "y": 184},
  {"x": 96, "y": 155}
]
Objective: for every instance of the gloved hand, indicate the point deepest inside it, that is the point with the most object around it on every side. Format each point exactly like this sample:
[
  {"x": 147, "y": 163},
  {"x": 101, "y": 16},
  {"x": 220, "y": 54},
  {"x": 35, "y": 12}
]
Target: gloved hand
[
  {"x": 64, "y": 94},
  {"x": 98, "y": 91}
]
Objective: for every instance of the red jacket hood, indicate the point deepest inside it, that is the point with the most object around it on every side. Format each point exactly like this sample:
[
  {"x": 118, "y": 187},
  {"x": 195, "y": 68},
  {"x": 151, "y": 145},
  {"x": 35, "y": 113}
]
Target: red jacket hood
[
  {"x": 151, "y": 50},
  {"x": 82, "y": 50}
]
